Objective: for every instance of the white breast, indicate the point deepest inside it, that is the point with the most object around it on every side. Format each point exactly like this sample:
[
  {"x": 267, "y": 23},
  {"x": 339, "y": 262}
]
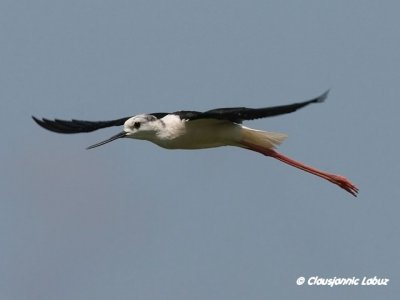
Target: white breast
[{"x": 198, "y": 134}]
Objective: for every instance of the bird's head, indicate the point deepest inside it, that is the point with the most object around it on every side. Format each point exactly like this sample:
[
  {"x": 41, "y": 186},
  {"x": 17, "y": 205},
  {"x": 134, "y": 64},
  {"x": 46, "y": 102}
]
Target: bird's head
[{"x": 142, "y": 127}]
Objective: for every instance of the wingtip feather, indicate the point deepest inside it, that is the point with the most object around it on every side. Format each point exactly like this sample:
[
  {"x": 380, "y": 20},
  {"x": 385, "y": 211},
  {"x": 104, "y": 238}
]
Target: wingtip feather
[{"x": 323, "y": 97}]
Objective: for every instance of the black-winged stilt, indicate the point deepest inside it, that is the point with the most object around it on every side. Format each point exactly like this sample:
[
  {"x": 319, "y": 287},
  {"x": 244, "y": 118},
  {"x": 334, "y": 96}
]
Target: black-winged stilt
[{"x": 199, "y": 130}]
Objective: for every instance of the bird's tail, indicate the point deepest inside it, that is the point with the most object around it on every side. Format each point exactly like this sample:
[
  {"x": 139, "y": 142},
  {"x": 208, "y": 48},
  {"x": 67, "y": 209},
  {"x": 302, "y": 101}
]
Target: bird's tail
[{"x": 265, "y": 139}]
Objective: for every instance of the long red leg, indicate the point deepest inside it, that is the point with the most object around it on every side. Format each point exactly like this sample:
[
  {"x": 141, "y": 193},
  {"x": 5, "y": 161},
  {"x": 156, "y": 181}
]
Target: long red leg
[{"x": 341, "y": 181}]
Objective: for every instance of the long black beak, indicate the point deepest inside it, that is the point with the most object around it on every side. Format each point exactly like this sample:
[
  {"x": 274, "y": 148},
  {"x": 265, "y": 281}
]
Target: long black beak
[{"x": 114, "y": 137}]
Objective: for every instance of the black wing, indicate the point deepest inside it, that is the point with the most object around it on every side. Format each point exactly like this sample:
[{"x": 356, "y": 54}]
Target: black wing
[
  {"x": 233, "y": 114},
  {"x": 239, "y": 114},
  {"x": 77, "y": 126}
]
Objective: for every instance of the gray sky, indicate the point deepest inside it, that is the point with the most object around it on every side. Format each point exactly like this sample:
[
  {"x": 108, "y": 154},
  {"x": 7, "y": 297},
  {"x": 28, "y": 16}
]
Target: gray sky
[{"x": 133, "y": 221}]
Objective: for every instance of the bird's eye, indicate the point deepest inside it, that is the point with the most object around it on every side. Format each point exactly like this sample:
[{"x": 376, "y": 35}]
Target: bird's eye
[{"x": 136, "y": 125}]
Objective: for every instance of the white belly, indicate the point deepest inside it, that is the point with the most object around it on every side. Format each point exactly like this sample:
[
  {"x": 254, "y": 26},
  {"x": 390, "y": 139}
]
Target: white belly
[{"x": 199, "y": 134}]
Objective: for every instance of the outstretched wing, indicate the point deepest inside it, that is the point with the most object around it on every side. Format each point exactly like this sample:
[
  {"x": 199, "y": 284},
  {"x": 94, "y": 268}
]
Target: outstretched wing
[
  {"x": 239, "y": 114},
  {"x": 76, "y": 126},
  {"x": 233, "y": 114}
]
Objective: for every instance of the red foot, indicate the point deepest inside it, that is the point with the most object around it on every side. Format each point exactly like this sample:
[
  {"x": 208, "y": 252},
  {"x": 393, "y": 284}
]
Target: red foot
[{"x": 345, "y": 184}]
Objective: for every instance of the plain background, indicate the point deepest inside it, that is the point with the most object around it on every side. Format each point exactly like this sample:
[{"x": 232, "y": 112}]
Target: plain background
[{"x": 130, "y": 220}]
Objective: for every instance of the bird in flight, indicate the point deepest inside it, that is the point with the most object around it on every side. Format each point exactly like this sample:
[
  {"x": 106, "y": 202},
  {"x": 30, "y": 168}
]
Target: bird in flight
[{"x": 199, "y": 130}]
